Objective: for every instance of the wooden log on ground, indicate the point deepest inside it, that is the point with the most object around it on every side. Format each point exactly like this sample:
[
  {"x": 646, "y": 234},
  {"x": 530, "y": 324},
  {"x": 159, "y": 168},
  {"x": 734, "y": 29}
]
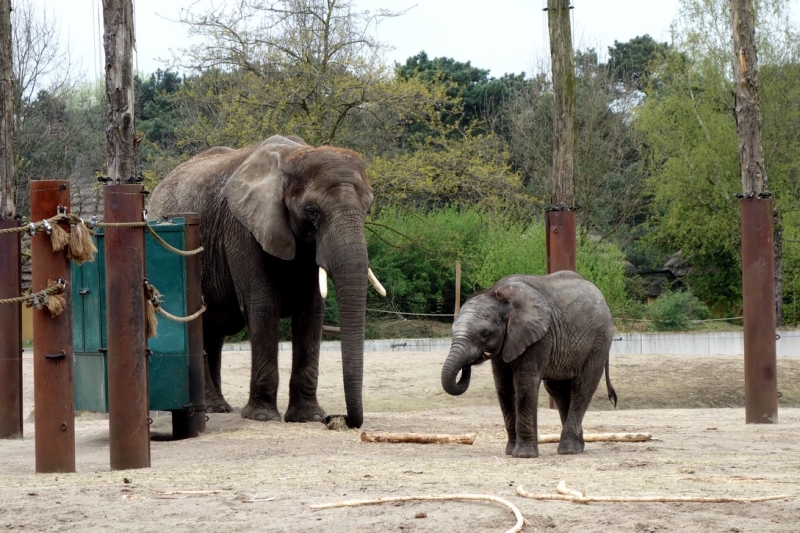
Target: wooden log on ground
[
  {"x": 601, "y": 437},
  {"x": 418, "y": 438}
]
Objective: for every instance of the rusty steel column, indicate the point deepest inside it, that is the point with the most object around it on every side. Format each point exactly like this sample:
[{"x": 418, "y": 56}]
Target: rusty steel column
[
  {"x": 128, "y": 401},
  {"x": 758, "y": 293},
  {"x": 191, "y": 422},
  {"x": 11, "y": 416},
  {"x": 53, "y": 360},
  {"x": 560, "y": 241}
]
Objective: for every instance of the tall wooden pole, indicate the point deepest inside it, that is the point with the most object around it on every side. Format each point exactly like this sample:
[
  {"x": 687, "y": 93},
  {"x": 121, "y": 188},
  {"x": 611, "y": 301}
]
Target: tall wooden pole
[
  {"x": 10, "y": 315},
  {"x": 119, "y": 42},
  {"x": 7, "y": 183},
  {"x": 758, "y": 270},
  {"x": 560, "y": 217},
  {"x": 129, "y": 432}
]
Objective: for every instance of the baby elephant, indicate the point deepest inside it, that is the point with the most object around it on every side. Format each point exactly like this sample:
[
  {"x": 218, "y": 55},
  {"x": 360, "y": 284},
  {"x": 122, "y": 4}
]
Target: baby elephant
[{"x": 555, "y": 328}]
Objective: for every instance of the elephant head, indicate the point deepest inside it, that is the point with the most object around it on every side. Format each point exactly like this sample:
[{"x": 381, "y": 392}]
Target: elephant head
[
  {"x": 288, "y": 195},
  {"x": 501, "y": 322}
]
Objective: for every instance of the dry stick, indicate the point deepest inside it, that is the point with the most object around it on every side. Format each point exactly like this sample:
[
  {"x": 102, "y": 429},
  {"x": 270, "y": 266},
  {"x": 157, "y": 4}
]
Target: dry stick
[
  {"x": 423, "y": 438},
  {"x": 578, "y": 497},
  {"x": 419, "y": 438},
  {"x": 601, "y": 437},
  {"x": 439, "y": 497}
]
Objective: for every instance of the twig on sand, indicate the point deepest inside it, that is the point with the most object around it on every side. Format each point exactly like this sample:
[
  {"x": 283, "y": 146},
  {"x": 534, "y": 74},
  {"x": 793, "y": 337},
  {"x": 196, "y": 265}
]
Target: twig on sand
[
  {"x": 575, "y": 496},
  {"x": 255, "y": 500},
  {"x": 171, "y": 492},
  {"x": 602, "y": 437},
  {"x": 419, "y": 438},
  {"x": 437, "y": 497}
]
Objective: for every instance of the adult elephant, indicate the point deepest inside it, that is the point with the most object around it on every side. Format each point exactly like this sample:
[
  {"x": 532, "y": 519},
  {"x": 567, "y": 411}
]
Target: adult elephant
[
  {"x": 555, "y": 328},
  {"x": 275, "y": 218}
]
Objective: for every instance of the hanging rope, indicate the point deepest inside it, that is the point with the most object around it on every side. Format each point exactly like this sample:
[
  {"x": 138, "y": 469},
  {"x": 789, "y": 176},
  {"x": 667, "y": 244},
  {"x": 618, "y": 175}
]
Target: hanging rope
[
  {"x": 49, "y": 298},
  {"x": 78, "y": 242},
  {"x": 154, "y": 301}
]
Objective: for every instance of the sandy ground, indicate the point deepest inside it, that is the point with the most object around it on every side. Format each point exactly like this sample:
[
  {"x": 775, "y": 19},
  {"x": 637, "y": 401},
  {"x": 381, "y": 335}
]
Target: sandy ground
[{"x": 247, "y": 476}]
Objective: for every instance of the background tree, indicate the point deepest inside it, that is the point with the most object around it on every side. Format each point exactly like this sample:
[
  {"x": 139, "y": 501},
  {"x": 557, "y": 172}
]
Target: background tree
[{"x": 304, "y": 67}]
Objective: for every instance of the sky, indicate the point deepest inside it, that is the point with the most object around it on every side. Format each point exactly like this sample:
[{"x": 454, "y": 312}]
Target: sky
[{"x": 504, "y": 36}]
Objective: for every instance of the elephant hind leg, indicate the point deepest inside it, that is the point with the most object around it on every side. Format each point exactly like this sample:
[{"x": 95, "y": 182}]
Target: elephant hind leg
[
  {"x": 213, "y": 338},
  {"x": 561, "y": 391},
  {"x": 582, "y": 389}
]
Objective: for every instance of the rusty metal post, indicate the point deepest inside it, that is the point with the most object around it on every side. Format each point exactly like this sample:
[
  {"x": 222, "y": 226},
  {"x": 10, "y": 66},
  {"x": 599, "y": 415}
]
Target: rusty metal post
[
  {"x": 758, "y": 291},
  {"x": 191, "y": 422},
  {"x": 560, "y": 241},
  {"x": 53, "y": 360},
  {"x": 10, "y": 335},
  {"x": 561, "y": 247},
  {"x": 128, "y": 401}
]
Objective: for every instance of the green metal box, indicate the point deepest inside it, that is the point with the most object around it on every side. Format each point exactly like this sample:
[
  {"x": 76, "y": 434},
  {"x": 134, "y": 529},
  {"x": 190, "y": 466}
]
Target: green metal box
[{"x": 168, "y": 364}]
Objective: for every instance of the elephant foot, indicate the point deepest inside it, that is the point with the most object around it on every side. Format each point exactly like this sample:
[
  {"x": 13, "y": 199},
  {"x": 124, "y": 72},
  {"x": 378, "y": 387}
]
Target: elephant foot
[
  {"x": 570, "y": 444},
  {"x": 217, "y": 404},
  {"x": 525, "y": 450},
  {"x": 261, "y": 413},
  {"x": 304, "y": 412},
  {"x": 510, "y": 446}
]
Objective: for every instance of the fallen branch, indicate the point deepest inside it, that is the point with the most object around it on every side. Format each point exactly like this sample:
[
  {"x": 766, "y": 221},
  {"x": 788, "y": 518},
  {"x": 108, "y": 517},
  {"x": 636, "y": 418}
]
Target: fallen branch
[
  {"x": 565, "y": 494},
  {"x": 601, "y": 437},
  {"x": 439, "y": 497},
  {"x": 419, "y": 438}
]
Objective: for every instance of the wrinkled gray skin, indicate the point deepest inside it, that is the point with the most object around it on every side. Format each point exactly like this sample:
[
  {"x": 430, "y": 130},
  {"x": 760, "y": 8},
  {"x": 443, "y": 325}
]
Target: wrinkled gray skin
[
  {"x": 270, "y": 215},
  {"x": 555, "y": 328}
]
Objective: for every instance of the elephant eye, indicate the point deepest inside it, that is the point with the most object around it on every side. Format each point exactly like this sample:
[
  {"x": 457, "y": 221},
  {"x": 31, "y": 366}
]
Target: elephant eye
[
  {"x": 311, "y": 213},
  {"x": 485, "y": 334}
]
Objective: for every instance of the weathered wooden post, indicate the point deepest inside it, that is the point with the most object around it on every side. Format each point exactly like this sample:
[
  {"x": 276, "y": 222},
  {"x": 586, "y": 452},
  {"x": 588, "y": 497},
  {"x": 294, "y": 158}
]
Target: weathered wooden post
[
  {"x": 53, "y": 359},
  {"x": 758, "y": 272},
  {"x": 560, "y": 216},
  {"x": 128, "y": 401},
  {"x": 11, "y": 416}
]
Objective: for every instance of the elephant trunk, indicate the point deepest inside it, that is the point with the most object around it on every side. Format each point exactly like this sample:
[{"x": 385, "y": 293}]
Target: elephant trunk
[
  {"x": 347, "y": 264},
  {"x": 457, "y": 361}
]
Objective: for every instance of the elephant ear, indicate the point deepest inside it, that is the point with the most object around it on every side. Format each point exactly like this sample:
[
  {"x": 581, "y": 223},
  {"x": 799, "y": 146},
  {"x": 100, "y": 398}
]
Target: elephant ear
[
  {"x": 255, "y": 197},
  {"x": 528, "y": 318}
]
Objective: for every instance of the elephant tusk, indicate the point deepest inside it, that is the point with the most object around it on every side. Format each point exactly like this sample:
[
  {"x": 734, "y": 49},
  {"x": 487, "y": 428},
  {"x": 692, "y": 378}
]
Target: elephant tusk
[
  {"x": 323, "y": 283},
  {"x": 487, "y": 355},
  {"x": 375, "y": 283}
]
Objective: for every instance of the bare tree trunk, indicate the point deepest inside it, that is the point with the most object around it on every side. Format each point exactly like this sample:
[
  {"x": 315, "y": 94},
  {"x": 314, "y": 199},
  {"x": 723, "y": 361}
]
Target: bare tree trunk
[
  {"x": 758, "y": 246},
  {"x": 119, "y": 42},
  {"x": 8, "y": 187},
  {"x": 558, "y": 12}
]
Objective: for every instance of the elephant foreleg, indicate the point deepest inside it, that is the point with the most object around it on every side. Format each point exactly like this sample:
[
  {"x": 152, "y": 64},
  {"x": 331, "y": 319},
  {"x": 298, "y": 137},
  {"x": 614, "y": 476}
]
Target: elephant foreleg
[
  {"x": 212, "y": 345},
  {"x": 306, "y": 337},
  {"x": 504, "y": 384},
  {"x": 262, "y": 404}
]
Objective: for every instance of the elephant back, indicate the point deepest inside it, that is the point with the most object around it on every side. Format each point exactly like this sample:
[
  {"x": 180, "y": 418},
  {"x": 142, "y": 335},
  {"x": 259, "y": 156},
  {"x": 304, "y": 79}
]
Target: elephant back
[{"x": 196, "y": 185}]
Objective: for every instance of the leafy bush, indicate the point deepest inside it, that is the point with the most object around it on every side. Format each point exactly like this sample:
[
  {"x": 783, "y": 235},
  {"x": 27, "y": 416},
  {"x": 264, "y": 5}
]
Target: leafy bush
[{"x": 674, "y": 311}]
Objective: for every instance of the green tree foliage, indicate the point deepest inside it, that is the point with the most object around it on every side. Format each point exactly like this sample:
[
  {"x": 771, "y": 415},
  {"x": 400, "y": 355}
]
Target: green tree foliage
[
  {"x": 303, "y": 67},
  {"x": 691, "y": 146},
  {"x": 608, "y": 181},
  {"x": 674, "y": 311},
  {"x": 475, "y": 96},
  {"x": 630, "y": 61},
  {"x": 465, "y": 171},
  {"x": 414, "y": 255}
]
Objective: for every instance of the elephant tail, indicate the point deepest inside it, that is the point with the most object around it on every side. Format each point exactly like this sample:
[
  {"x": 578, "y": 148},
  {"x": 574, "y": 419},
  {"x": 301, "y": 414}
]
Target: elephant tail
[{"x": 612, "y": 394}]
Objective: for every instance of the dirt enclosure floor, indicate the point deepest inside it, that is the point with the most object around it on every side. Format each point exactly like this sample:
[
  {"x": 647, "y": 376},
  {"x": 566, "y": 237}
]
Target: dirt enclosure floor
[{"x": 249, "y": 476}]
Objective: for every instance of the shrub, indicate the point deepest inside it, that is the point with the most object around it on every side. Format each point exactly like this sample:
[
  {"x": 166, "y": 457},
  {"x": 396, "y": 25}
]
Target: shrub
[{"x": 674, "y": 311}]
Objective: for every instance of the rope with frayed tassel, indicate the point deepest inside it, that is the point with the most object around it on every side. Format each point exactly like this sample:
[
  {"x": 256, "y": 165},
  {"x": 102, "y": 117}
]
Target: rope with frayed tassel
[
  {"x": 78, "y": 241},
  {"x": 154, "y": 301},
  {"x": 49, "y": 298}
]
